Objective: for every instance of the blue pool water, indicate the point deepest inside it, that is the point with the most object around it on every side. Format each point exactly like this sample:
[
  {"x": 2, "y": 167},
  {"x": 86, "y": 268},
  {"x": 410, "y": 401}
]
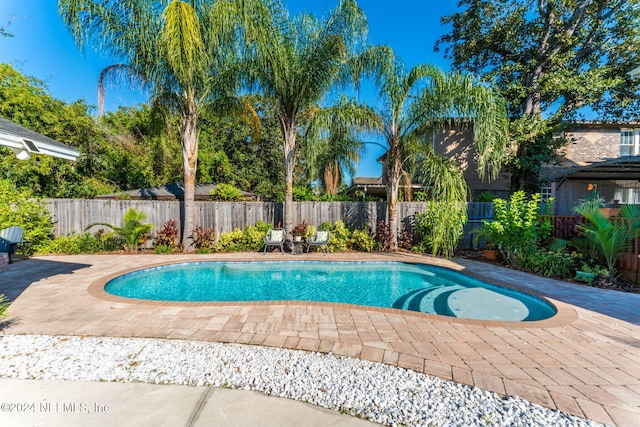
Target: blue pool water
[{"x": 422, "y": 288}]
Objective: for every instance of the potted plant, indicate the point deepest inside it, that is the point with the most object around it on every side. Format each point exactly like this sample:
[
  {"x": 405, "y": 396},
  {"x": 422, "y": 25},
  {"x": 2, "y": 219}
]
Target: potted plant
[
  {"x": 299, "y": 231},
  {"x": 489, "y": 234}
]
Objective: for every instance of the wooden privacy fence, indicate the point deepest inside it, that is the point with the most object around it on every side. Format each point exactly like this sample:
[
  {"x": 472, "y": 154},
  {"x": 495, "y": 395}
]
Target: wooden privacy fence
[
  {"x": 75, "y": 215},
  {"x": 628, "y": 264}
]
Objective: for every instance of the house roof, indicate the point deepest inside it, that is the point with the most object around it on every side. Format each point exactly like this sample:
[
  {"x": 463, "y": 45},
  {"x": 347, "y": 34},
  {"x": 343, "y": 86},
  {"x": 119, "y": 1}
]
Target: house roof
[
  {"x": 622, "y": 168},
  {"x": 23, "y": 142},
  {"x": 171, "y": 192},
  {"x": 599, "y": 124},
  {"x": 366, "y": 181}
]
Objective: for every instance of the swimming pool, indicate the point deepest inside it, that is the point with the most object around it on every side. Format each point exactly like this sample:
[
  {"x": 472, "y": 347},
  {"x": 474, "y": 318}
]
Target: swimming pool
[{"x": 414, "y": 287}]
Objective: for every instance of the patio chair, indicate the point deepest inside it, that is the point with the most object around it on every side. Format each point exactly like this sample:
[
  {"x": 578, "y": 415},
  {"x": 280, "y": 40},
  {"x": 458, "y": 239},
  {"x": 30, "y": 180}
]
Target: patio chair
[
  {"x": 321, "y": 239},
  {"x": 274, "y": 237},
  {"x": 12, "y": 236}
]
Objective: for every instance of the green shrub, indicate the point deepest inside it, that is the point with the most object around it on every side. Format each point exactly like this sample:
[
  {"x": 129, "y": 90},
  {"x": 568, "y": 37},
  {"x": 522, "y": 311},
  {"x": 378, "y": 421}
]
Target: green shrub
[
  {"x": 548, "y": 263},
  {"x": 87, "y": 243},
  {"x": 163, "y": 249},
  {"x": 361, "y": 240},
  {"x": 339, "y": 237},
  {"x": 20, "y": 208},
  {"x": 4, "y": 304},
  {"x": 253, "y": 238},
  {"x": 302, "y": 193},
  {"x": 440, "y": 226},
  {"x": 227, "y": 193},
  {"x": 486, "y": 197},
  {"x": 230, "y": 241},
  {"x": 521, "y": 225}
]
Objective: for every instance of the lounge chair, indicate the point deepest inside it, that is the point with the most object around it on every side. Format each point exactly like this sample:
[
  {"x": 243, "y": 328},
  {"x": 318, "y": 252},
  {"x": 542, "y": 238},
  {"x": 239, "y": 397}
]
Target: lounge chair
[
  {"x": 11, "y": 236},
  {"x": 321, "y": 239},
  {"x": 274, "y": 237}
]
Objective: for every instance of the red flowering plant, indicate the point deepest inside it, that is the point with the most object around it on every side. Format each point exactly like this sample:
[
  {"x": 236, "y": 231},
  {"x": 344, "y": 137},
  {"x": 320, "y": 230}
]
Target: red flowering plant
[{"x": 300, "y": 229}]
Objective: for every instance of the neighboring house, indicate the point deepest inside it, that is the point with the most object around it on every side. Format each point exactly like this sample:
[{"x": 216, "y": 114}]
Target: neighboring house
[
  {"x": 601, "y": 156},
  {"x": 458, "y": 145},
  {"x": 452, "y": 143},
  {"x": 25, "y": 142},
  {"x": 170, "y": 192},
  {"x": 374, "y": 187}
]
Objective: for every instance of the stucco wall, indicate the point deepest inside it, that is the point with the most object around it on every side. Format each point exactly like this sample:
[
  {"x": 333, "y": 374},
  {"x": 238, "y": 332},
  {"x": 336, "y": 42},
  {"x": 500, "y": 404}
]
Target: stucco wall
[{"x": 458, "y": 145}]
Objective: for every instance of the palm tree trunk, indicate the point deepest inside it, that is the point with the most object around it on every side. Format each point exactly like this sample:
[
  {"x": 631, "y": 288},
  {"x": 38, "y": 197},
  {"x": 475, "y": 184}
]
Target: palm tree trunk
[
  {"x": 331, "y": 178},
  {"x": 189, "y": 138},
  {"x": 393, "y": 174},
  {"x": 289, "y": 132}
]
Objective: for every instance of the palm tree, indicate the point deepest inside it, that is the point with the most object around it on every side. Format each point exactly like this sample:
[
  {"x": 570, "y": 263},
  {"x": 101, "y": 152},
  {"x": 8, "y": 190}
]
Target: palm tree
[
  {"x": 177, "y": 49},
  {"x": 424, "y": 98},
  {"x": 610, "y": 237},
  {"x": 331, "y": 143},
  {"x": 297, "y": 61}
]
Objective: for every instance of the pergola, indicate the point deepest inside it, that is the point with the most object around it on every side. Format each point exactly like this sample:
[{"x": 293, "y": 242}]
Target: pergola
[{"x": 25, "y": 142}]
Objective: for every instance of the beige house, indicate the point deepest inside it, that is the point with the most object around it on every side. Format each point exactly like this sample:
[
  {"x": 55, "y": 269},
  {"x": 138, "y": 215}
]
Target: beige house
[
  {"x": 452, "y": 143},
  {"x": 604, "y": 156}
]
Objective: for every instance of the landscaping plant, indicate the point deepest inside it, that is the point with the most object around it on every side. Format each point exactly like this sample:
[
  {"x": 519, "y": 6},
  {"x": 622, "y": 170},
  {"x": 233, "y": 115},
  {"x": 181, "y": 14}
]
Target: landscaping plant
[
  {"x": 132, "y": 230},
  {"x": 610, "y": 237},
  {"x": 249, "y": 240},
  {"x": 203, "y": 239},
  {"x": 167, "y": 237},
  {"x": 383, "y": 236},
  {"x": 226, "y": 193},
  {"x": 339, "y": 237},
  {"x": 361, "y": 240},
  {"x": 22, "y": 209},
  {"x": 548, "y": 263},
  {"x": 520, "y": 225},
  {"x": 4, "y": 304}
]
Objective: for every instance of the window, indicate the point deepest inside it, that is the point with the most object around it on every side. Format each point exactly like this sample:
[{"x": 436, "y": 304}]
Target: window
[
  {"x": 629, "y": 142},
  {"x": 627, "y": 196},
  {"x": 545, "y": 193}
]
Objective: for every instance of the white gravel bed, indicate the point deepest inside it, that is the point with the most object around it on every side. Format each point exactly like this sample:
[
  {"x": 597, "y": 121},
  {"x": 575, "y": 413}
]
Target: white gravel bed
[{"x": 380, "y": 393}]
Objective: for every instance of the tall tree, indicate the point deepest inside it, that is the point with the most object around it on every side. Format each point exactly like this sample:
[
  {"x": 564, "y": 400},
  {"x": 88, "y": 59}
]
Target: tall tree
[
  {"x": 549, "y": 58},
  {"x": 423, "y": 98},
  {"x": 26, "y": 101},
  {"x": 297, "y": 61},
  {"x": 332, "y": 144},
  {"x": 177, "y": 48}
]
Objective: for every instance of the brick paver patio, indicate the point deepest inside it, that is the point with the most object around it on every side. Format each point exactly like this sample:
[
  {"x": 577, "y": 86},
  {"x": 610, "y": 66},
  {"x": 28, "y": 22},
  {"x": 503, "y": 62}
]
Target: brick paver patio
[{"x": 585, "y": 360}]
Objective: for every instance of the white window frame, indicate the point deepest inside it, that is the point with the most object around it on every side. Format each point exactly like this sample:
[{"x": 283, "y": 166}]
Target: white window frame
[
  {"x": 546, "y": 192},
  {"x": 635, "y": 143},
  {"x": 627, "y": 196}
]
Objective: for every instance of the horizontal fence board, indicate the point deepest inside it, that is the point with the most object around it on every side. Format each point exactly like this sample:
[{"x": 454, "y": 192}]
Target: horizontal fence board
[{"x": 76, "y": 215}]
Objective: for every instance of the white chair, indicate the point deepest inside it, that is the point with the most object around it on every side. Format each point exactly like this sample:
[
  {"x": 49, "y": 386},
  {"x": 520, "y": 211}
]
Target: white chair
[
  {"x": 321, "y": 239},
  {"x": 12, "y": 236},
  {"x": 274, "y": 237}
]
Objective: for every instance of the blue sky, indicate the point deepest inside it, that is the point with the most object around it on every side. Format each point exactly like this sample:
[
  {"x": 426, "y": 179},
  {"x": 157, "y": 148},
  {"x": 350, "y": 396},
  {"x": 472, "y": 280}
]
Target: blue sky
[{"x": 42, "y": 48}]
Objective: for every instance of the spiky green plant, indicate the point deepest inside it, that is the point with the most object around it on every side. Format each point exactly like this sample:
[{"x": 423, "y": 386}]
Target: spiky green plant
[
  {"x": 132, "y": 229},
  {"x": 611, "y": 237}
]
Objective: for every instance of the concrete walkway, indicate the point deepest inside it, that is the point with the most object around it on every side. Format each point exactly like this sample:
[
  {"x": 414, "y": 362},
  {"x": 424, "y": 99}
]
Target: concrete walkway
[
  {"x": 585, "y": 360},
  {"x": 76, "y": 403}
]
